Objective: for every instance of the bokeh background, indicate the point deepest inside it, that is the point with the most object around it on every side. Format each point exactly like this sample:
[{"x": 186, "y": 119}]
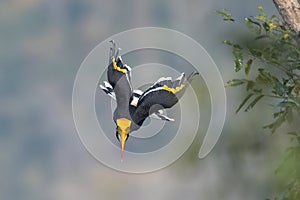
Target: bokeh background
[{"x": 42, "y": 44}]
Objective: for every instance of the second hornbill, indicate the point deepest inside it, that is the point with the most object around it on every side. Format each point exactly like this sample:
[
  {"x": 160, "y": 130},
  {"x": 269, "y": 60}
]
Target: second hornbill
[{"x": 134, "y": 106}]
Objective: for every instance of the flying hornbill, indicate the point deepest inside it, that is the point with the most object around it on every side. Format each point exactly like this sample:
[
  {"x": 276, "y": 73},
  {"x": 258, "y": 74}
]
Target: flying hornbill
[{"x": 134, "y": 106}]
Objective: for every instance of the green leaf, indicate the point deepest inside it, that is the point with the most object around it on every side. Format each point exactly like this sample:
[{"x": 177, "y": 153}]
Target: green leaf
[
  {"x": 263, "y": 16},
  {"x": 264, "y": 76},
  {"x": 279, "y": 89},
  {"x": 261, "y": 10},
  {"x": 248, "y": 66},
  {"x": 277, "y": 123},
  {"x": 293, "y": 133},
  {"x": 286, "y": 104},
  {"x": 255, "y": 52},
  {"x": 252, "y": 104},
  {"x": 275, "y": 115},
  {"x": 262, "y": 37},
  {"x": 235, "y": 82},
  {"x": 252, "y": 24},
  {"x": 243, "y": 102},
  {"x": 237, "y": 53},
  {"x": 238, "y": 57},
  {"x": 238, "y": 63},
  {"x": 225, "y": 14},
  {"x": 257, "y": 90},
  {"x": 268, "y": 55},
  {"x": 266, "y": 26},
  {"x": 260, "y": 18},
  {"x": 250, "y": 85},
  {"x": 228, "y": 42},
  {"x": 273, "y": 18},
  {"x": 283, "y": 28}
]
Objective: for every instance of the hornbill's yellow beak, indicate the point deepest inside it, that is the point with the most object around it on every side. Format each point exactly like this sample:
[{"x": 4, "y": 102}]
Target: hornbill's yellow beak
[
  {"x": 123, "y": 139},
  {"x": 123, "y": 131}
]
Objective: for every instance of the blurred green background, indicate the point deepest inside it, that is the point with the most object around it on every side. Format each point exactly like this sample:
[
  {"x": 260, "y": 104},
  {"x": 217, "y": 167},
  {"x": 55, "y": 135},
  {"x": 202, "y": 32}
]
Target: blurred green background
[{"x": 43, "y": 43}]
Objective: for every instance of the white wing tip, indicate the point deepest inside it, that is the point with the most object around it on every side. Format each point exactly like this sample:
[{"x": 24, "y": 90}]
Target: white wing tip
[
  {"x": 107, "y": 84},
  {"x": 102, "y": 87},
  {"x": 127, "y": 67},
  {"x": 163, "y": 79},
  {"x": 139, "y": 92},
  {"x": 181, "y": 76}
]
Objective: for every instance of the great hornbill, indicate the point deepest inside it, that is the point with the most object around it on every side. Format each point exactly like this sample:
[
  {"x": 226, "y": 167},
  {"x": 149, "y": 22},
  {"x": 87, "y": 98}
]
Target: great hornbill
[{"x": 134, "y": 106}]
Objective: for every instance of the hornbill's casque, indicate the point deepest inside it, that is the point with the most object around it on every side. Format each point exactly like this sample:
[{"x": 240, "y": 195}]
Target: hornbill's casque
[{"x": 134, "y": 106}]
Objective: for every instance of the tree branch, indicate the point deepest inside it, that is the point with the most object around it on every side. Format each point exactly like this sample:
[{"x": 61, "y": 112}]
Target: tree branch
[{"x": 290, "y": 12}]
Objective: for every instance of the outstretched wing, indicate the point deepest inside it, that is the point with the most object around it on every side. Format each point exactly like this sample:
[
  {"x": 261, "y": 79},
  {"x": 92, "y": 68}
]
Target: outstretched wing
[
  {"x": 117, "y": 69},
  {"x": 107, "y": 88},
  {"x": 119, "y": 76},
  {"x": 136, "y": 95},
  {"x": 165, "y": 93}
]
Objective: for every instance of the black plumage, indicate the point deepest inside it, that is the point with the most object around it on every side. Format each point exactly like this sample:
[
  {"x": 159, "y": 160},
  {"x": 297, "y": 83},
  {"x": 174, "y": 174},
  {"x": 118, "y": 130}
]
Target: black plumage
[{"x": 134, "y": 106}]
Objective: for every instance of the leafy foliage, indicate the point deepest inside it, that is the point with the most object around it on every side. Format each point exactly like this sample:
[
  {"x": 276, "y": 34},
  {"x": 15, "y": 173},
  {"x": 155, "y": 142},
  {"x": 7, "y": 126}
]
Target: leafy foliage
[
  {"x": 290, "y": 168},
  {"x": 225, "y": 14},
  {"x": 273, "y": 55},
  {"x": 271, "y": 62}
]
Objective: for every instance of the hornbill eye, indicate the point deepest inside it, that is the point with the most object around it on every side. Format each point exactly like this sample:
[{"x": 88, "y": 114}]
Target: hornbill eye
[{"x": 118, "y": 136}]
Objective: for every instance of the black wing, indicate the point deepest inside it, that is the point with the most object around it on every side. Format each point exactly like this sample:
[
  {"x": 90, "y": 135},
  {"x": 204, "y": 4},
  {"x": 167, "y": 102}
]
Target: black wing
[
  {"x": 165, "y": 93},
  {"x": 134, "y": 99},
  {"x": 119, "y": 76},
  {"x": 116, "y": 68},
  {"x": 136, "y": 94}
]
